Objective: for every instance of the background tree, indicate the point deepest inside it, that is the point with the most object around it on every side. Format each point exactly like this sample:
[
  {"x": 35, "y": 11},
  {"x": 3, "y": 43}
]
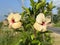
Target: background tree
[
  {"x": 58, "y": 13},
  {"x": 56, "y": 17}
]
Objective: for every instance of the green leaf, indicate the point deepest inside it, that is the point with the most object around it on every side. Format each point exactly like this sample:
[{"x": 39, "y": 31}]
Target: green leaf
[
  {"x": 19, "y": 42},
  {"x": 43, "y": 0},
  {"x": 38, "y": 5},
  {"x": 32, "y": 36},
  {"x": 28, "y": 25},
  {"x": 35, "y": 41},
  {"x": 27, "y": 10},
  {"x": 45, "y": 11},
  {"x": 50, "y": 6},
  {"x": 32, "y": 3},
  {"x": 39, "y": 43}
]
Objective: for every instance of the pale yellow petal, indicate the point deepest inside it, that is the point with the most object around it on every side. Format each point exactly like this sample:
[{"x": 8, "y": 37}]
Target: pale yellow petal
[
  {"x": 41, "y": 28},
  {"x": 16, "y": 25},
  {"x": 37, "y": 27},
  {"x": 44, "y": 28},
  {"x": 10, "y": 16},
  {"x": 17, "y": 17},
  {"x": 40, "y": 17}
]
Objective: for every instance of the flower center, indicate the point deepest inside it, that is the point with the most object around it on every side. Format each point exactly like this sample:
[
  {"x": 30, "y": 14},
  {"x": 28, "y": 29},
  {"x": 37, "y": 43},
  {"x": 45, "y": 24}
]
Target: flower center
[
  {"x": 43, "y": 23},
  {"x": 13, "y": 21}
]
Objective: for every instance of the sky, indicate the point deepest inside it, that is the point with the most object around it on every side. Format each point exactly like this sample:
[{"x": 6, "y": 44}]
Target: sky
[{"x": 7, "y": 6}]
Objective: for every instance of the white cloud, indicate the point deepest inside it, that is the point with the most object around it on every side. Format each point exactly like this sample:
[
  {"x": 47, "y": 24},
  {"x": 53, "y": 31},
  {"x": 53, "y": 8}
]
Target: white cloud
[{"x": 56, "y": 3}]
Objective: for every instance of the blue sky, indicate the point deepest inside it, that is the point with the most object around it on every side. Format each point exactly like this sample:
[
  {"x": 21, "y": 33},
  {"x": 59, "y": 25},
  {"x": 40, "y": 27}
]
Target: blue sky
[{"x": 7, "y": 6}]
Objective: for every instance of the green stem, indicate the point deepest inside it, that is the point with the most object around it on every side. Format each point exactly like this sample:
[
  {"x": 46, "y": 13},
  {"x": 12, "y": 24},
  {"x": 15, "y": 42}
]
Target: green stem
[{"x": 43, "y": 37}]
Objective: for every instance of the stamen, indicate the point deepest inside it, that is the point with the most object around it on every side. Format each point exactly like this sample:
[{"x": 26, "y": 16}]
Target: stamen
[
  {"x": 43, "y": 23},
  {"x": 13, "y": 21}
]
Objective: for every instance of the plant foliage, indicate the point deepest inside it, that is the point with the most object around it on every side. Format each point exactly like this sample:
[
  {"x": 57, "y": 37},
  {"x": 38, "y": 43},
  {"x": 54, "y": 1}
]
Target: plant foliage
[{"x": 27, "y": 35}]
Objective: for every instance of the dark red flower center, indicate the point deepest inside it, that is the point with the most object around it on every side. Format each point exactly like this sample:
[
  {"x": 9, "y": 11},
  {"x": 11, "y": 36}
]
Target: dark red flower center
[
  {"x": 13, "y": 21},
  {"x": 43, "y": 23}
]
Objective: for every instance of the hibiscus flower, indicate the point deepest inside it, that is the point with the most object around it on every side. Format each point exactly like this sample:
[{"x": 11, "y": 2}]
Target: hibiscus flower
[
  {"x": 14, "y": 20},
  {"x": 41, "y": 22}
]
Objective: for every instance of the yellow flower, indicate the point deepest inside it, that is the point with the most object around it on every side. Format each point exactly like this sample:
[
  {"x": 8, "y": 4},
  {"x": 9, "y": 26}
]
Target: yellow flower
[
  {"x": 14, "y": 20},
  {"x": 41, "y": 23},
  {"x": 16, "y": 17},
  {"x": 40, "y": 17}
]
